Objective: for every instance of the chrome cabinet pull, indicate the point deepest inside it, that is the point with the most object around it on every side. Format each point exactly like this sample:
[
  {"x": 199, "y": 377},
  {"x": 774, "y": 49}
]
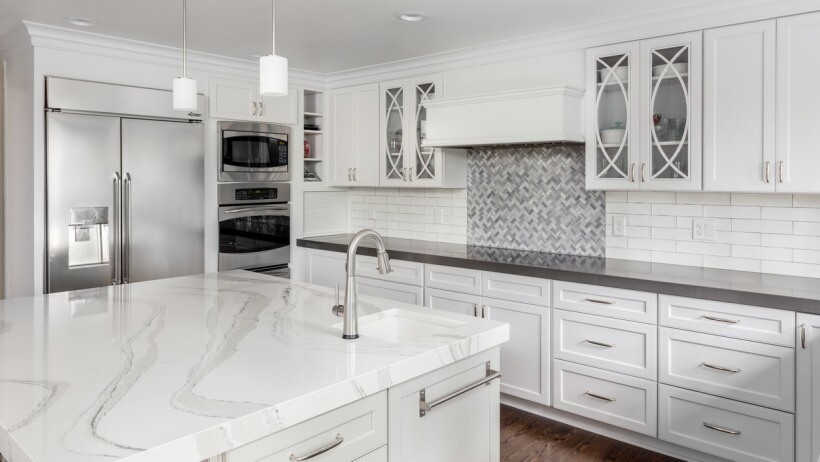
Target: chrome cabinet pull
[
  {"x": 253, "y": 105},
  {"x": 412, "y": 174},
  {"x": 780, "y": 171},
  {"x": 601, "y": 397},
  {"x": 261, "y": 108},
  {"x": 720, "y": 368},
  {"x": 483, "y": 311},
  {"x": 600, "y": 344},
  {"x": 803, "y": 336},
  {"x": 632, "y": 172},
  {"x": 126, "y": 260},
  {"x": 339, "y": 440},
  {"x": 354, "y": 174},
  {"x": 643, "y": 173},
  {"x": 599, "y": 301},
  {"x": 475, "y": 310},
  {"x": 723, "y": 320},
  {"x": 721, "y": 429},
  {"x": 767, "y": 172},
  {"x": 116, "y": 266},
  {"x": 425, "y": 407},
  {"x": 349, "y": 174}
]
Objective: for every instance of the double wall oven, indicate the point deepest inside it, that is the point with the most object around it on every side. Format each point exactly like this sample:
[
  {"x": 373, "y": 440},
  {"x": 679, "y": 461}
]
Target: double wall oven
[{"x": 254, "y": 227}]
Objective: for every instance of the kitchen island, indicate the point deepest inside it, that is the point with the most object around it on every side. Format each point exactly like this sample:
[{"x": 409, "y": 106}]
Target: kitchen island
[{"x": 191, "y": 368}]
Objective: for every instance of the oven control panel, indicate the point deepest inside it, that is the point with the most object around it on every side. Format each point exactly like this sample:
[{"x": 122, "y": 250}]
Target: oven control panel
[{"x": 256, "y": 194}]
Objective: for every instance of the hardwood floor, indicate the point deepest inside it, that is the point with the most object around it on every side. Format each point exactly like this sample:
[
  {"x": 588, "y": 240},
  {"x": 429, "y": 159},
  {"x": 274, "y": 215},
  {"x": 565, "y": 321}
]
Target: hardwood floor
[{"x": 528, "y": 437}]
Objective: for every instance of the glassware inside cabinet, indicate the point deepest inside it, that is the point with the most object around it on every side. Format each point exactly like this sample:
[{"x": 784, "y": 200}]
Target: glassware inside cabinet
[
  {"x": 425, "y": 166},
  {"x": 612, "y": 108},
  {"x": 670, "y": 102},
  {"x": 394, "y": 127}
]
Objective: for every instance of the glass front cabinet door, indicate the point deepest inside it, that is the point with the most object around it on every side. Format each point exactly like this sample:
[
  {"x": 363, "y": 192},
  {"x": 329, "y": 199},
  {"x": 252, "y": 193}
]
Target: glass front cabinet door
[
  {"x": 645, "y": 127},
  {"x": 404, "y": 162}
]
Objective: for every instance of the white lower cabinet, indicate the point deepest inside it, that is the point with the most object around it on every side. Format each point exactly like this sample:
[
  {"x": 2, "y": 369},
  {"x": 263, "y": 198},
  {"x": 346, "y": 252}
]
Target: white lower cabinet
[
  {"x": 725, "y": 428},
  {"x": 462, "y": 420},
  {"x": 379, "y": 455},
  {"x": 612, "y": 398},
  {"x": 345, "y": 435},
  {"x": 808, "y": 388},
  {"x": 453, "y": 302},
  {"x": 403, "y": 293}
]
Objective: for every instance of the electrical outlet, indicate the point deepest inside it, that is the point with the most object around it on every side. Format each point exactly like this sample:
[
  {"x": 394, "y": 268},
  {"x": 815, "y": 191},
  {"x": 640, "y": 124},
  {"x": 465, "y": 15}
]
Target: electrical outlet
[
  {"x": 619, "y": 225},
  {"x": 438, "y": 216},
  {"x": 703, "y": 229},
  {"x": 371, "y": 212}
]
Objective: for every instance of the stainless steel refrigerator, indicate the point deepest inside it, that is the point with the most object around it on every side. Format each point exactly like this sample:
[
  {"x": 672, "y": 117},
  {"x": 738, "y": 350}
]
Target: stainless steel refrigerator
[{"x": 124, "y": 186}]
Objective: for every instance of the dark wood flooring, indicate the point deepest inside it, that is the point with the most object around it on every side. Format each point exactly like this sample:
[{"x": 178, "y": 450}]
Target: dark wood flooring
[{"x": 528, "y": 437}]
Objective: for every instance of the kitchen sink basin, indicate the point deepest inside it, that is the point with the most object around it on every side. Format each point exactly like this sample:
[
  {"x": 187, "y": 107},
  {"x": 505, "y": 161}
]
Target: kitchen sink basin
[{"x": 403, "y": 326}]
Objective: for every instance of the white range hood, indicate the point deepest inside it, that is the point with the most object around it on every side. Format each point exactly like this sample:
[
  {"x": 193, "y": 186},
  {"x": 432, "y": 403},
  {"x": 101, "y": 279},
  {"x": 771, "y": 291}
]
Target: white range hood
[{"x": 542, "y": 115}]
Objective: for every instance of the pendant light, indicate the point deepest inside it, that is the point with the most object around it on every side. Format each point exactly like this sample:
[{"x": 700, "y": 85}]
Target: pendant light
[
  {"x": 184, "y": 88},
  {"x": 273, "y": 70}
]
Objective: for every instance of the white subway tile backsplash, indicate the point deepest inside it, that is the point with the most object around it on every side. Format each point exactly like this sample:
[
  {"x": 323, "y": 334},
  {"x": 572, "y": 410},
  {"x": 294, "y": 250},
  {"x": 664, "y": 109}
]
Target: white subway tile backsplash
[
  {"x": 652, "y": 197},
  {"x": 792, "y": 242},
  {"x": 678, "y": 210},
  {"x": 776, "y": 200},
  {"x": 807, "y": 256},
  {"x": 731, "y": 237},
  {"x": 673, "y": 258},
  {"x": 629, "y": 208},
  {"x": 762, "y": 226},
  {"x": 807, "y": 200},
  {"x": 629, "y": 254},
  {"x": 791, "y": 269},
  {"x": 732, "y": 263},
  {"x": 704, "y": 248},
  {"x": 762, "y": 253},
  {"x": 807, "y": 229},
  {"x": 652, "y": 220},
  {"x": 677, "y": 234},
  {"x": 704, "y": 198},
  {"x": 793, "y": 214},
  {"x": 718, "y": 211},
  {"x": 651, "y": 244}
]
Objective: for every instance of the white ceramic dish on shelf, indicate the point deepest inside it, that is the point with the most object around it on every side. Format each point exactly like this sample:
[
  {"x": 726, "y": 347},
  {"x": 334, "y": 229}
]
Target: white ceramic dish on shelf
[
  {"x": 621, "y": 72},
  {"x": 612, "y": 135},
  {"x": 682, "y": 68}
]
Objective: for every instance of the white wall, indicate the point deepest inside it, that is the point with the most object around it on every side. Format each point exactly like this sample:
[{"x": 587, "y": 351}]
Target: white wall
[
  {"x": 2, "y": 150},
  {"x": 767, "y": 233}
]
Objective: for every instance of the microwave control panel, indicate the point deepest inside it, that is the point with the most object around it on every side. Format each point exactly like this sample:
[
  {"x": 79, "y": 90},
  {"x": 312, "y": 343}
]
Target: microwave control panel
[{"x": 256, "y": 194}]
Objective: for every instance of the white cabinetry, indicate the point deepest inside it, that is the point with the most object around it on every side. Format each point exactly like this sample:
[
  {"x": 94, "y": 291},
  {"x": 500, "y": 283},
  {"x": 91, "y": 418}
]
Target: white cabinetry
[
  {"x": 457, "y": 426},
  {"x": 798, "y": 64},
  {"x": 739, "y": 108},
  {"x": 354, "y": 140},
  {"x": 645, "y": 127},
  {"x": 240, "y": 99},
  {"x": 344, "y": 434},
  {"x": 808, "y": 388}
]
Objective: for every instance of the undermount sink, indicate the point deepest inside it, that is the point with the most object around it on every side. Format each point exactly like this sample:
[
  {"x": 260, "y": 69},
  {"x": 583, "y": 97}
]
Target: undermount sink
[{"x": 403, "y": 326}]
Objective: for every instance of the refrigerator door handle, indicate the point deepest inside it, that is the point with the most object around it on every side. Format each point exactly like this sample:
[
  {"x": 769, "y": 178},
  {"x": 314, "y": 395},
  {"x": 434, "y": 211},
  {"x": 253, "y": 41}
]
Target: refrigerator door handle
[
  {"x": 116, "y": 266},
  {"x": 126, "y": 248}
]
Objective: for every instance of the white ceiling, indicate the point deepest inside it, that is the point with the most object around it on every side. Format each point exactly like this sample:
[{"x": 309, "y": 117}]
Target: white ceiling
[{"x": 328, "y": 35}]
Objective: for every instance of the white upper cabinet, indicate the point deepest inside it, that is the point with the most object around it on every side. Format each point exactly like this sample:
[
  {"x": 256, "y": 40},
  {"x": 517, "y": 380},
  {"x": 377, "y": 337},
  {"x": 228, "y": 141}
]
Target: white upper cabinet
[
  {"x": 354, "y": 119},
  {"x": 645, "y": 115},
  {"x": 739, "y": 108},
  {"x": 240, "y": 99},
  {"x": 798, "y": 103}
]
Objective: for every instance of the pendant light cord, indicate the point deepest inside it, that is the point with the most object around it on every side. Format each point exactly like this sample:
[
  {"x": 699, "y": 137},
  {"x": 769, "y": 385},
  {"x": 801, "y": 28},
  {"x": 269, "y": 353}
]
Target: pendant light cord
[
  {"x": 273, "y": 22},
  {"x": 184, "y": 38}
]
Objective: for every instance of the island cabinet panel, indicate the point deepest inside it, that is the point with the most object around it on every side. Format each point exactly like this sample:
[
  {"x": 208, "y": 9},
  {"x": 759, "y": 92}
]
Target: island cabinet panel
[
  {"x": 808, "y": 388},
  {"x": 464, "y": 421},
  {"x": 391, "y": 291},
  {"x": 345, "y": 434}
]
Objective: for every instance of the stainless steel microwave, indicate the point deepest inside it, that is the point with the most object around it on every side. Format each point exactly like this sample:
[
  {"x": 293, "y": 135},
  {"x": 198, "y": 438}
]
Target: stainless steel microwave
[{"x": 251, "y": 151}]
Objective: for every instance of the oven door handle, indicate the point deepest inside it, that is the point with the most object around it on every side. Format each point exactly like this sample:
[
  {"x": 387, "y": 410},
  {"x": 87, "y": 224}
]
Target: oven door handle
[{"x": 257, "y": 209}]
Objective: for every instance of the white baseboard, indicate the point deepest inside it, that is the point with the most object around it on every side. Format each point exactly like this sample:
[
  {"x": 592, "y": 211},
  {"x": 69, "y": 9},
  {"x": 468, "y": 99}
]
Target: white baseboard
[{"x": 610, "y": 431}]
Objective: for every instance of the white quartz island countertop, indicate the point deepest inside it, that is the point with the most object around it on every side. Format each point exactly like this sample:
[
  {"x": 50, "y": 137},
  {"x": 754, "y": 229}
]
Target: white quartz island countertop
[{"x": 188, "y": 368}]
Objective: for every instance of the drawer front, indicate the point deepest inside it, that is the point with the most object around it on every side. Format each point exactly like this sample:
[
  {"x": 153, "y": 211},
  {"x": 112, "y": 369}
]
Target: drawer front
[
  {"x": 752, "y": 433},
  {"x": 620, "y": 346},
  {"x": 630, "y": 305},
  {"x": 362, "y": 425},
  {"x": 404, "y": 272},
  {"x": 737, "y": 369},
  {"x": 453, "y": 302},
  {"x": 390, "y": 290},
  {"x": 612, "y": 398},
  {"x": 534, "y": 291},
  {"x": 728, "y": 319},
  {"x": 379, "y": 455},
  {"x": 462, "y": 280}
]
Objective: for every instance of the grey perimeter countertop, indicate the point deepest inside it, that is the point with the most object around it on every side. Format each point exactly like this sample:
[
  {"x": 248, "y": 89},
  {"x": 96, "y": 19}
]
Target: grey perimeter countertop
[{"x": 769, "y": 290}]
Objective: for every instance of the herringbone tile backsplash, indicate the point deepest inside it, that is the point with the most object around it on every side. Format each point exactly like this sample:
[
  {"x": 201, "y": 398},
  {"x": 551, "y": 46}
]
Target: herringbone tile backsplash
[{"x": 533, "y": 198}]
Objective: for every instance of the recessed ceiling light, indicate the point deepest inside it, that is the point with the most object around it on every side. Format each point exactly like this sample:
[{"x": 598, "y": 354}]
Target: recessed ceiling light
[
  {"x": 81, "y": 22},
  {"x": 412, "y": 17}
]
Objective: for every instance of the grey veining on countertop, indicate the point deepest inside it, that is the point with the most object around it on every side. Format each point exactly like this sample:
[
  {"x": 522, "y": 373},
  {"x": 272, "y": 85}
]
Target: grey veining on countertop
[{"x": 769, "y": 290}]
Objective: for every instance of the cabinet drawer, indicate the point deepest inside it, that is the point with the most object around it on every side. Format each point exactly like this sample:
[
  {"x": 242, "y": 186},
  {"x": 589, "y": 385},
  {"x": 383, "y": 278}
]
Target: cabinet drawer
[
  {"x": 606, "y": 301},
  {"x": 535, "y": 291},
  {"x": 390, "y": 290},
  {"x": 728, "y": 319},
  {"x": 466, "y": 281},
  {"x": 404, "y": 272},
  {"x": 752, "y": 433},
  {"x": 362, "y": 425},
  {"x": 379, "y": 455},
  {"x": 612, "y": 398},
  {"x": 737, "y": 369},
  {"x": 620, "y": 346},
  {"x": 453, "y": 302}
]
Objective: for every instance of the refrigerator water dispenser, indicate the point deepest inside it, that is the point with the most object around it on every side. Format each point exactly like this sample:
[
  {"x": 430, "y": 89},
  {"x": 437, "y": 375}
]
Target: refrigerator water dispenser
[{"x": 88, "y": 236}]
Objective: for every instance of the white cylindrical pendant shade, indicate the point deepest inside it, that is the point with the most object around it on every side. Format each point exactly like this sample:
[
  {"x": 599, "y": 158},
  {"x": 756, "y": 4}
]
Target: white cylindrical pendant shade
[
  {"x": 185, "y": 94},
  {"x": 273, "y": 75}
]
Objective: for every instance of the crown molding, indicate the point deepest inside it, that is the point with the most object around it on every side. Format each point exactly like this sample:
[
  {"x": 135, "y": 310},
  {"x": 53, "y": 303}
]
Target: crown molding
[
  {"x": 676, "y": 20},
  {"x": 30, "y": 34}
]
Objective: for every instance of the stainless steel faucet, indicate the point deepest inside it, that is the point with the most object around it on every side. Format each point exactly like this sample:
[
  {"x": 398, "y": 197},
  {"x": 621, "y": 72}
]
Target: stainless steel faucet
[{"x": 350, "y": 309}]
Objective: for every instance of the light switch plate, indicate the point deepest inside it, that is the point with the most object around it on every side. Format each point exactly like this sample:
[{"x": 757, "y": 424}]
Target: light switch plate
[
  {"x": 619, "y": 225},
  {"x": 703, "y": 229},
  {"x": 438, "y": 217}
]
